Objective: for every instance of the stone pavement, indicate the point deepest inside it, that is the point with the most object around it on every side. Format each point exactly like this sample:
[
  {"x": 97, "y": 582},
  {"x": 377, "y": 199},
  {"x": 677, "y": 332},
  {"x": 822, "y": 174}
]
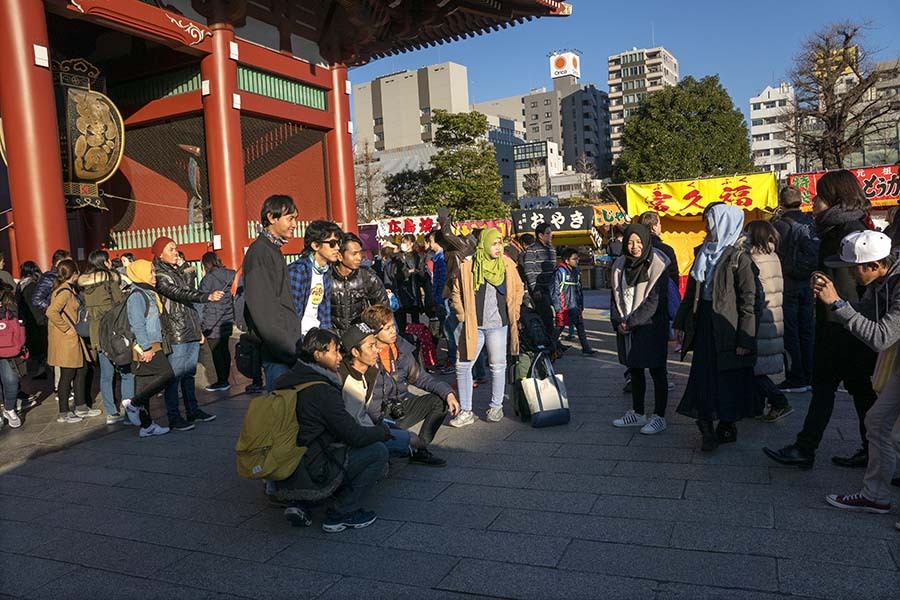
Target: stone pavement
[{"x": 582, "y": 511}]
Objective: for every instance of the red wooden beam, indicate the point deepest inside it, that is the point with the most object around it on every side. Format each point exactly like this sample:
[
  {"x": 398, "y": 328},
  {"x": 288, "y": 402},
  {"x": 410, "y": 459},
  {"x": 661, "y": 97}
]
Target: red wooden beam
[
  {"x": 269, "y": 107},
  {"x": 281, "y": 64},
  {"x": 166, "y": 108}
]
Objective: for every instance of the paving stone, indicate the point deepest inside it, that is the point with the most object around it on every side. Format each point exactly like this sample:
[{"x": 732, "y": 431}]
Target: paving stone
[
  {"x": 775, "y": 494},
  {"x": 601, "y": 529},
  {"x": 681, "y": 591},
  {"x": 510, "y": 462},
  {"x": 533, "y": 549},
  {"x": 14, "y": 508},
  {"x": 21, "y": 574},
  {"x": 411, "y": 488},
  {"x": 503, "y": 447},
  {"x": 387, "y": 564},
  {"x": 21, "y": 537},
  {"x": 624, "y": 486},
  {"x": 474, "y": 476},
  {"x": 92, "y": 583},
  {"x": 178, "y": 485},
  {"x": 823, "y": 580},
  {"x": 825, "y": 519},
  {"x": 351, "y": 588},
  {"x": 539, "y": 583},
  {"x": 573, "y": 502},
  {"x": 247, "y": 579},
  {"x": 695, "y": 472},
  {"x": 565, "y": 435},
  {"x": 45, "y": 469},
  {"x": 105, "y": 552},
  {"x": 780, "y": 543},
  {"x": 434, "y": 512},
  {"x": 627, "y": 453},
  {"x": 667, "y": 564},
  {"x": 272, "y": 520}
]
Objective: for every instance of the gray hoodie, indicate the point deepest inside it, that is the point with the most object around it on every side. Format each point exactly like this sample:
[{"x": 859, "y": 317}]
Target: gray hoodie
[{"x": 875, "y": 319}]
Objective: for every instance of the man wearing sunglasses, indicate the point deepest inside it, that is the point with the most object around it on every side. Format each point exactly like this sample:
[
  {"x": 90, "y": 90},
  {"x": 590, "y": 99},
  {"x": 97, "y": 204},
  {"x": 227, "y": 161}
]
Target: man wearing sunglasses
[{"x": 310, "y": 276}]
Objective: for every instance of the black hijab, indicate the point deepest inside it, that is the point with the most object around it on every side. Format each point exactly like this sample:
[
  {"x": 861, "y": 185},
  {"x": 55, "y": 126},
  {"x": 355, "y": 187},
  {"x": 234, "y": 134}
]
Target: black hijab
[{"x": 637, "y": 267}]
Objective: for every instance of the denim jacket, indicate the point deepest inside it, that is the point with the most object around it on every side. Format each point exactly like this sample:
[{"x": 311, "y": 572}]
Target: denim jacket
[{"x": 147, "y": 329}]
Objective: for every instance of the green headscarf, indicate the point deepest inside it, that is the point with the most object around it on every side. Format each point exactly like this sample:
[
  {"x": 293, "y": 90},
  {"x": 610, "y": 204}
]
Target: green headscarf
[{"x": 486, "y": 268}]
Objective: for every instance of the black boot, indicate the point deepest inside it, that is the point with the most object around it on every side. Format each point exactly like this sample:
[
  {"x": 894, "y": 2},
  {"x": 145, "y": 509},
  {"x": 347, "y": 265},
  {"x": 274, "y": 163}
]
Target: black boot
[
  {"x": 726, "y": 432},
  {"x": 792, "y": 456},
  {"x": 710, "y": 441},
  {"x": 857, "y": 460}
]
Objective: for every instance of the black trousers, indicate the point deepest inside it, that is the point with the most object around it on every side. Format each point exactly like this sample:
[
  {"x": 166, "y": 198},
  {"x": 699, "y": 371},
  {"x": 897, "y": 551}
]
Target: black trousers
[
  {"x": 660, "y": 390},
  {"x": 544, "y": 309},
  {"x": 582, "y": 334},
  {"x": 150, "y": 378},
  {"x": 427, "y": 408},
  {"x": 220, "y": 356},
  {"x": 72, "y": 380},
  {"x": 838, "y": 356},
  {"x": 406, "y": 315}
]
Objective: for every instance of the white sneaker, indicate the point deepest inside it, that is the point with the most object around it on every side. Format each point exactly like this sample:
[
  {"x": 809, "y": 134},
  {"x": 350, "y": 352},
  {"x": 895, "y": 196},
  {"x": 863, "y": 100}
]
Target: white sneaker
[
  {"x": 131, "y": 411},
  {"x": 13, "y": 418},
  {"x": 495, "y": 415},
  {"x": 465, "y": 417},
  {"x": 153, "y": 429},
  {"x": 114, "y": 419},
  {"x": 90, "y": 412},
  {"x": 68, "y": 418},
  {"x": 631, "y": 419},
  {"x": 656, "y": 424}
]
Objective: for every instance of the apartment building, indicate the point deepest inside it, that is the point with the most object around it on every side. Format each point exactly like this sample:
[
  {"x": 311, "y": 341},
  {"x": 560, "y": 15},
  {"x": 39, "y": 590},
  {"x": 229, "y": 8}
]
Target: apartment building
[{"x": 769, "y": 146}]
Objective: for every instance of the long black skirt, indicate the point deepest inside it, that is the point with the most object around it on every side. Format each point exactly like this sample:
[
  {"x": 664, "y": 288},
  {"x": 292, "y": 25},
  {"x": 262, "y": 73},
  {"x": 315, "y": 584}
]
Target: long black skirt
[{"x": 713, "y": 395}]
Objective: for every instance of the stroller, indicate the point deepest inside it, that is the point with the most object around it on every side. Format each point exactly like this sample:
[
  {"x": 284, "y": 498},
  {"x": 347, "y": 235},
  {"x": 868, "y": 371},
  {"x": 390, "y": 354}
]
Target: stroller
[{"x": 533, "y": 342}]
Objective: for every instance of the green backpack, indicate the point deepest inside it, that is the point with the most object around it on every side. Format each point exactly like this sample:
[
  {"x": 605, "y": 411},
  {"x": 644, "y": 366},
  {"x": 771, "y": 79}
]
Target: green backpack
[{"x": 267, "y": 446}]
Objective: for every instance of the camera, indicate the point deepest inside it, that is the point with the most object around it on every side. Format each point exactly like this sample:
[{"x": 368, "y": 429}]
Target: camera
[{"x": 394, "y": 409}]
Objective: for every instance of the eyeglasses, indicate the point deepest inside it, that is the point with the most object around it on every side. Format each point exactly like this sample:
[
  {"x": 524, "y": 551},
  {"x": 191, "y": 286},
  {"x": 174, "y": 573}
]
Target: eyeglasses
[{"x": 332, "y": 243}]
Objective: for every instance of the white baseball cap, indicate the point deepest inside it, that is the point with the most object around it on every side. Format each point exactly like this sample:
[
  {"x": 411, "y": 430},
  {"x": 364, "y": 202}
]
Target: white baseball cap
[{"x": 861, "y": 247}]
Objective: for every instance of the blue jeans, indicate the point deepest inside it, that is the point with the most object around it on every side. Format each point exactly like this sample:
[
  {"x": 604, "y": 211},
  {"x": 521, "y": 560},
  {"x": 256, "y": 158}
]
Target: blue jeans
[
  {"x": 495, "y": 339},
  {"x": 9, "y": 378},
  {"x": 799, "y": 334},
  {"x": 273, "y": 371},
  {"x": 398, "y": 445},
  {"x": 107, "y": 374},
  {"x": 364, "y": 467},
  {"x": 448, "y": 326},
  {"x": 183, "y": 360}
]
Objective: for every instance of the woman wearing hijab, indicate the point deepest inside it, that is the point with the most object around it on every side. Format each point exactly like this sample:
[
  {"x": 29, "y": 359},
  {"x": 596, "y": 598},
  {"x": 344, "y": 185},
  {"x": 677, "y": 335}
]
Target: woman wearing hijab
[
  {"x": 717, "y": 320},
  {"x": 150, "y": 366},
  {"x": 486, "y": 295},
  {"x": 640, "y": 316}
]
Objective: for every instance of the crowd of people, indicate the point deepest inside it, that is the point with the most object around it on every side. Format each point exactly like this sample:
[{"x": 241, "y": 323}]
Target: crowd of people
[{"x": 813, "y": 296}]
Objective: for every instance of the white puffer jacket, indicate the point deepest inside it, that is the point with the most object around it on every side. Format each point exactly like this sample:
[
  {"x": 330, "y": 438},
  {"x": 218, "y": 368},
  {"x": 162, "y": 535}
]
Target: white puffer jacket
[{"x": 770, "y": 331}]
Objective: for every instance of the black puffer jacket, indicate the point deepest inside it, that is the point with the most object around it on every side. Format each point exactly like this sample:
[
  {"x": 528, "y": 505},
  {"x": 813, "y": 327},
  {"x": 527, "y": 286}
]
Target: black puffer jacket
[
  {"x": 181, "y": 322},
  {"x": 833, "y": 224},
  {"x": 352, "y": 294},
  {"x": 218, "y": 317}
]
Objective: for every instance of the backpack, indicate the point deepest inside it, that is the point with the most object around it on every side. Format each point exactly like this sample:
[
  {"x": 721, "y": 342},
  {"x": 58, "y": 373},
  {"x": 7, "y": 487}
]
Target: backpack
[
  {"x": 82, "y": 324},
  {"x": 12, "y": 335},
  {"x": 247, "y": 356},
  {"x": 116, "y": 336},
  {"x": 267, "y": 446},
  {"x": 800, "y": 250}
]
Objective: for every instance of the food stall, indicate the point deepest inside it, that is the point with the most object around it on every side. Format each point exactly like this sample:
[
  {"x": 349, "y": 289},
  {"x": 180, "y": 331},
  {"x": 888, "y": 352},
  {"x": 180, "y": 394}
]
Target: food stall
[{"x": 880, "y": 184}]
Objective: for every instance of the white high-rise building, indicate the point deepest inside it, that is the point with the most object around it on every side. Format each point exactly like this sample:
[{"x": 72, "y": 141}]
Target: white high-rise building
[{"x": 768, "y": 144}]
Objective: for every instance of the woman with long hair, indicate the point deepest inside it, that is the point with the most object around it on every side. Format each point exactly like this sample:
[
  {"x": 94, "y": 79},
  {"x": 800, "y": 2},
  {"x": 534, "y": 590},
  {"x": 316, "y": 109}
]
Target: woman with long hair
[
  {"x": 717, "y": 320},
  {"x": 66, "y": 349},
  {"x": 486, "y": 296},
  {"x": 217, "y": 320},
  {"x": 11, "y": 363},
  {"x": 34, "y": 318},
  {"x": 639, "y": 311}
]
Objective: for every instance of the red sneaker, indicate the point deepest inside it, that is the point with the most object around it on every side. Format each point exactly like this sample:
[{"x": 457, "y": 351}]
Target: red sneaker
[{"x": 857, "y": 502}]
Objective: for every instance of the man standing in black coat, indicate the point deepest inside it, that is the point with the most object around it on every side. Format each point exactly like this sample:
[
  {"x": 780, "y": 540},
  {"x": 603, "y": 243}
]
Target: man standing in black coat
[{"x": 353, "y": 288}]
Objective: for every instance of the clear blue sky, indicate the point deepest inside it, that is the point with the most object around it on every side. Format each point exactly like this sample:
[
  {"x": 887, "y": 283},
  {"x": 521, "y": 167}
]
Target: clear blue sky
[{"x": 748, "y": 44}]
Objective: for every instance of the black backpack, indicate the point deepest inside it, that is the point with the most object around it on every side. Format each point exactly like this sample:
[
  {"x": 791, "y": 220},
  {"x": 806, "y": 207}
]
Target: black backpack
[
  {"x": 116, "y": 336},
  {"x": 800, "y": 250},
  {"x": 247, "y": 356}
]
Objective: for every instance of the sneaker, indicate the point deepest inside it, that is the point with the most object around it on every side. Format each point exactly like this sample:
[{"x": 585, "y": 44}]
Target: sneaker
[
  {"x": 68, "y": 418},
  {"x": 218, "y": 387},
  {"x": 495, "y": 415},
  {"x": 423, "y": 456},
  {"x": 179, "y": 424},
  {"x": 588, "y": 351},
  {"x": 857, "y": 502},
  {"x": 13, "y": 418},
  {"x": 114, "y": 419},
  {"x": 776, "y": 414},
  {"x": 335, "y": 522},
  {"x": 631, "y": 419},
  {"x": 298, "y": 516},
  {"x": 27, "y": 402},
  {"x": 88, "y": 412},
  {"x": 465, "y": 417},
  {"x": 153, "y": 429},
  {"x": 132, "y": 412},
  {"x": 254, "y": 389},
  {"x": 656, "y": 424},
  {"x": 790, "y": 388},
  {"x": 199, "y": 415}
]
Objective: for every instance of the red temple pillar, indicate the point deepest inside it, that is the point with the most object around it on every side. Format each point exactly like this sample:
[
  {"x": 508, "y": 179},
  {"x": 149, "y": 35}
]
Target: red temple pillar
[
  {"x": 32, "y": 139},
  {"x": 224, "y": 152},
  {"x": 338, "y": 142}
]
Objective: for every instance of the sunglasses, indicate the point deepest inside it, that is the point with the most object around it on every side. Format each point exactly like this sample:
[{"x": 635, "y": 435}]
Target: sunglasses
[{"x": 332, "y": 243}]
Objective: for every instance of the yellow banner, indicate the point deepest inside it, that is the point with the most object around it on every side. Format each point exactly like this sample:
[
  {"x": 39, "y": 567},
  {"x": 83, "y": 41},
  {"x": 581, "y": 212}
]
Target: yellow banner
[
  {"x": 609, "y": 213},
  {"x": 690, "y": 197}
]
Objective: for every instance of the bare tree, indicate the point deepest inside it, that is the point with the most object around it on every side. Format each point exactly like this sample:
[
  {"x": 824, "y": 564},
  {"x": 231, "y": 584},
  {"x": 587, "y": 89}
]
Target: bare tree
[
  {"x": 836, "y": 107},
  {"x": 587, "y": 172},
  {"x": 534, "y": 179},
  {"x": 368, "y": 177}
]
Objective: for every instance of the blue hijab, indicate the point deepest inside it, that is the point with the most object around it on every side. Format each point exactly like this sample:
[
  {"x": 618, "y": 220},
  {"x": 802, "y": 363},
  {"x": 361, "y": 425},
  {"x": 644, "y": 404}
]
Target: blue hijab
[{"x": 725, "y": 224}]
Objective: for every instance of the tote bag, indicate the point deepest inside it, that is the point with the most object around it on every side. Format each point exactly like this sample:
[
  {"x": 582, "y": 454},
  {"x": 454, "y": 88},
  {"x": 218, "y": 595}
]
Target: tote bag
[{"x": 546, "y": 396}]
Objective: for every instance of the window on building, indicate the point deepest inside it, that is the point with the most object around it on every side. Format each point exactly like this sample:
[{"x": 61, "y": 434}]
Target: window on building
[
  {"x": 782, "y": 103},
  {"x": 756, "y": 106},
  {"x": 548, "y": 127},
  {"x": 756, "y": 122},
  {"x": 548, "y": 114},
  {"x": 546, "y": 101},
  {"x": 379, "y": 121},
  {"x": 771, "y": 104},
  {"x": 534, "y": 117},
  {"x": 534, "y": 104},
  {"x": 536, "y": 129}
]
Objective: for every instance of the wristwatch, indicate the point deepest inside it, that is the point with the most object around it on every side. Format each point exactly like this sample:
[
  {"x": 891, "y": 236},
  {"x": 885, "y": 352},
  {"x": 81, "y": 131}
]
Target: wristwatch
[{"x": 840, "y": 303}]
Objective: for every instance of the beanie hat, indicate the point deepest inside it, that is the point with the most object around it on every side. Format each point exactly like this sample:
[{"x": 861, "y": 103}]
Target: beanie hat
[
  {"x": 139, "y": 271},
  {"x": 160, "y": 244}
]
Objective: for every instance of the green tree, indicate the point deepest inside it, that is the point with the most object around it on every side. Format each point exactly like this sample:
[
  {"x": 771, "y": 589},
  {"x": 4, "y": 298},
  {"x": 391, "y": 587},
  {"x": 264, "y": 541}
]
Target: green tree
[
  {"x": 405, "y": 191},
  {"x": 690, "y": 130},
  {"x": 464, "y": 175}
]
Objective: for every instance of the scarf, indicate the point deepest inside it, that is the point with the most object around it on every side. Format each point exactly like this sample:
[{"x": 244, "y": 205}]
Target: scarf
[
  {"x": 139, "y": 273},
  {"x": 278, "y": 241},
  {"x": 837, "y": 215},
  {"x": 315, "y": 265},
  {"x": 486, "y": 268},
  {"x": 725, "y": 225},
  {"x": 637, "y": 267}
]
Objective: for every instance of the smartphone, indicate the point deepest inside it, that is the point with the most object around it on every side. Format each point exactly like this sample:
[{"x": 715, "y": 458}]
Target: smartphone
[{"x": 814, "y": 278}]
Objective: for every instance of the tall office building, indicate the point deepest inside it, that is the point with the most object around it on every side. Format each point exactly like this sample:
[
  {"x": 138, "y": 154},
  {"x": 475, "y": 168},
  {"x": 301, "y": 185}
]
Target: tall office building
[
  {"x": 632, "y": 75},
  {"x": 394, "y": 111},
  {"x": 768, "y": 144}
]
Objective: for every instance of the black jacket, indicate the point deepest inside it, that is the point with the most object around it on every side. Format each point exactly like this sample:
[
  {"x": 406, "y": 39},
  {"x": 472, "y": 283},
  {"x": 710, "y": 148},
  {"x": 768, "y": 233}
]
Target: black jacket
[
  {"x": 411, "y": 288},
  {"x": 269, "y": 307},
  {"x": 406, "y": 371},
  {"x": 734, "y": 307},
  {"x": 832, "y": 225},
  {"x": 672, "y": 268},
  {"x": 181, "y": 321},
  {"x": 218, "y": 317},
  {"x": 352, "y": 294}
]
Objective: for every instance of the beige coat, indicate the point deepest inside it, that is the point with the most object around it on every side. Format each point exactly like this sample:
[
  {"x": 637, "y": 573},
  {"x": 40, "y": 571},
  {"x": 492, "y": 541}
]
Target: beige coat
[
  {"x": 462, "y": 298},
  {"x": 770, "y": 331},
  {"x": 64, "y": 347}
]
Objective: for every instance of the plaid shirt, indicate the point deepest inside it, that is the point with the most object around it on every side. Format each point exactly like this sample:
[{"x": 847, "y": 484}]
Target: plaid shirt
[
  {"x": 438, "y": 276},
  {"x": 300, "y": 272}
]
